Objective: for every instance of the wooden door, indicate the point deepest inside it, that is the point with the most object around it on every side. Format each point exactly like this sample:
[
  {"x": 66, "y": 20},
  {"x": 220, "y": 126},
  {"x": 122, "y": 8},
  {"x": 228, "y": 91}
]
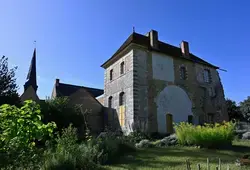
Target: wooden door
[{"x": 169, "y": 123}]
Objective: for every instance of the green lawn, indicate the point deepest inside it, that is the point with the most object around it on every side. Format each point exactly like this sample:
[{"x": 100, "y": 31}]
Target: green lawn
[{"x": 174, "y": 158}]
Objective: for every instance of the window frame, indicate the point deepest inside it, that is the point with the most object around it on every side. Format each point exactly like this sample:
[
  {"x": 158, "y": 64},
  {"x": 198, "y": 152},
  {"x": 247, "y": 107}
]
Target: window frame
[
  {"x": 111, "y": 74},
  {"x": 206, "y": 76},
  {"x": 183, "y": 73},
  {"x": 122, "y": 68},
  {"x": 121, "y": 99},
  {"x": 210, "y": 118},
  {"x": 110, "y": 100}
]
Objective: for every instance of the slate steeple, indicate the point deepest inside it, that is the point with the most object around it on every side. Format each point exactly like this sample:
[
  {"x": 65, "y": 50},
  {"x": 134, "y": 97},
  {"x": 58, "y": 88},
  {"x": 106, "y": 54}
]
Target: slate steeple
[{"x": 31, "y": 77}]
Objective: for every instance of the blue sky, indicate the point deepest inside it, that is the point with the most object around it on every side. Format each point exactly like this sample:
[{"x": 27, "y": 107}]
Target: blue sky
[{"x": 75, "y": 37}]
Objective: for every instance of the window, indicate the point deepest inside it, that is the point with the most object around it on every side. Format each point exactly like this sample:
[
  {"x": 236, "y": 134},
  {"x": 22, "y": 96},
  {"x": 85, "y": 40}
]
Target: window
[
  {"x": 122, "y": 68},
  {"x": 211, "y": 91},
  {"x": 121, "y": 98},
  {"x": 183, "y": 73},
  {"x": 206, "y": 76},
  {"x": 210, "y": 118},
  {"x": 110, "y": 102},
  {"x": 111, "y": 75},
  {"x": 190, "y": 119}
]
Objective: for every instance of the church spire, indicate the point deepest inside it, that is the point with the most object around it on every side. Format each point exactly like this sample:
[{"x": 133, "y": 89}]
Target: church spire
[{"x": 31, "y": 77}]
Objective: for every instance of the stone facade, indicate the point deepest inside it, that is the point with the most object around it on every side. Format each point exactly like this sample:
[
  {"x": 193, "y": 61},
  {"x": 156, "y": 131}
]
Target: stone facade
[
  {"x": 120, "y": 83},
  {"x": 156, "y": 83}
]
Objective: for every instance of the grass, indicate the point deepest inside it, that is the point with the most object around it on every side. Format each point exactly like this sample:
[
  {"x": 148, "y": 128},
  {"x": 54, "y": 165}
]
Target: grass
[{"x": 173, "y": 158}]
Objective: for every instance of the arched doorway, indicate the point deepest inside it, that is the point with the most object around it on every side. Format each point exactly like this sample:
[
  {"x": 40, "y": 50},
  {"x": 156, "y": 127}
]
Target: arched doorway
[{"x": 174, "y": 100}]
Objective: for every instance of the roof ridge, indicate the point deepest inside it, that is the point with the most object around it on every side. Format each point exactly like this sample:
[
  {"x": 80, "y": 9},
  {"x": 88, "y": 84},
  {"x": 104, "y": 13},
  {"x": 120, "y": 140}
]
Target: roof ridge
[{"x": 80, "y": 86}]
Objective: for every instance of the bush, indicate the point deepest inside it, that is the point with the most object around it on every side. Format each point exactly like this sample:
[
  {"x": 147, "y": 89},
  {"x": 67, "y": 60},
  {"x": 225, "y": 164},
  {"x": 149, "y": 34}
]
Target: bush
[
  {"x": 136, "y": 137},
  {"x": 210, "y": 136},
  {"x": 167, "y": 141},
  {"x": 144, "y": 144},
  {"x": 60, "y": 111},
  {"x": 111, "y": 148},
  {"x": 69, "y": 154},
  {"x": 246, "y": 135},
  {"x": 21, "y": 129}
]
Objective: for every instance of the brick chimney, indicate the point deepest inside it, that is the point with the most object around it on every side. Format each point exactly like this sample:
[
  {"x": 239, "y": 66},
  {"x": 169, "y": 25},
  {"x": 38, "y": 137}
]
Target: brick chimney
[
  {"x": 153, "y": 36},
  {"x": 185, "y": 48},
  {"x": 57, "y": 82}
]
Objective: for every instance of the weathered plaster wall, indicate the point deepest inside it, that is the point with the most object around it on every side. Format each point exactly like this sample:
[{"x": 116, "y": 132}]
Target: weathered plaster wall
[
  {"x": 163, "y": 67},
  {"x": 174, "y": 100},
  {"x": 190, "y": 86},
  {"x": 167, "y": 97},
  {"x": 121, "y": 83}
]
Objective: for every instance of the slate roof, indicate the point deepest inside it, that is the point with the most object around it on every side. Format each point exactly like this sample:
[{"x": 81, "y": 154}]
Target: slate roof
[
  {"x": 165, "y": 48},
  {"x": 31, "y": 77},
  {"x": 68, "y": 89}
]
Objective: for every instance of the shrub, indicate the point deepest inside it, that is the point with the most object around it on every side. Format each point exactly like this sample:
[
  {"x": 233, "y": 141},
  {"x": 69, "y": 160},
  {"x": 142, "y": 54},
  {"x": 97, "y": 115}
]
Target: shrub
[
  {"x": 205, "y": 136},
  {"x": 167, "y": 141},
  {"x": 144, "y": 144},
  {"x": 110, "y": 148},
  {"x": 69, "y": 154},
  {"x": 246, "y": 135},
  {"x": 60, "y": 111},
  {"x": 21, "y": 128},
  {"x": 73, "y": 154},
  {"x": 136, "y": 137}
]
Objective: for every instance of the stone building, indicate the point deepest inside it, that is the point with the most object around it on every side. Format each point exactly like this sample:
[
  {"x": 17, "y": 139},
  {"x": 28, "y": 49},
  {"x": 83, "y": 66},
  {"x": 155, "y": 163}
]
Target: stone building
[
  {"x": 148, "y": 82},
  {"x": 77, "y": 95},
  {"x": 86, "y": 98}
]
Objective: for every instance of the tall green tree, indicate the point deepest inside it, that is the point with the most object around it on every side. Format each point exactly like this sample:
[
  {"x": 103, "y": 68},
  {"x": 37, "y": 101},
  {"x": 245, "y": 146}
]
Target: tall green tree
[
  {"x": 233, "y": 110},
  {"x": 8, "y": 86},
  {"x": 245, "y": 108}
]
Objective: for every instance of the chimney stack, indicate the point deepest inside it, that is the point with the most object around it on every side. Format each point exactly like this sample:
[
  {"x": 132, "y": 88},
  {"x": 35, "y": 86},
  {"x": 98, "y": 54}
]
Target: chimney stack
[
  {"x": 153, "y": 36},
  {"x": 185, "y": 48},
  {"x": 57, "y": 82}
]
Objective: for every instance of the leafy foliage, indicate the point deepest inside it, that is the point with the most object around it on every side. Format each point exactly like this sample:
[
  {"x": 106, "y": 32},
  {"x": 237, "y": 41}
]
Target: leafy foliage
[
  {"x": 245, "y": 108},
  {"x": 233, "y": 110},
  {"x": 144, "y": 144},
  {"x": 205, "y": 136},
  {"x": 69, "y": 154},
  {"x": 21, "y": 127},
  {"x": 136, "y": 137},
  {"x": 62, "y": 113},
  {"x": 72, "y": 153},
  {"x": 168, "y": 141},
  {"x": 8, "y": 86},
  {"x": 246, "y": 135}
]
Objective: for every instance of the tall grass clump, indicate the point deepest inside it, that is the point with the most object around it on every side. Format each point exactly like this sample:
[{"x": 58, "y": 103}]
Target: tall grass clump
[{"x": 209, "y": 135}]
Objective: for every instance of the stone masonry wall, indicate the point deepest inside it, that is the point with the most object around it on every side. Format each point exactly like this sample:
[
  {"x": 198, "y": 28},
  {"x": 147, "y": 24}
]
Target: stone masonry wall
[
  {"x": 121, "y": 83},
  {"x": 146, "y": 88},
  {"x": 198, "y": 90},
  {"x": 141, "y": 89}
]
